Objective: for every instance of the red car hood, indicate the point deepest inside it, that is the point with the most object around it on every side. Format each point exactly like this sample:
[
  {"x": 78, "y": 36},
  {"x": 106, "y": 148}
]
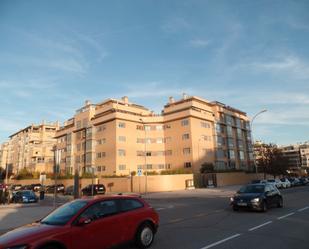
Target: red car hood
[{"x": 25, "y": 234}]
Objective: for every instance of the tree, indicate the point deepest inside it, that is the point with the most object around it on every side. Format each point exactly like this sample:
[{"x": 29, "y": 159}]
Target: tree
[
  {"x": 270, "y": 160},
  {"x": 2, "y": 173},
  {"x": 207, "y": 168}
]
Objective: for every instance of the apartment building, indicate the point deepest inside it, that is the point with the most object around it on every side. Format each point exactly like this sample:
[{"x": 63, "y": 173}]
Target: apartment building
[
  {"x": 32, "y": 148},
  {"x": 4, "y": 155},
  {"x": 117, "y": 137},
  {"x": 292, "y": 154},
  {"x": 304, "y": 155}
]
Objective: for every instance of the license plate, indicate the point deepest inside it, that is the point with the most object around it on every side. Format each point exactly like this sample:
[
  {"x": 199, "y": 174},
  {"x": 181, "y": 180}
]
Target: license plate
[{"x": 242, "y": 204}]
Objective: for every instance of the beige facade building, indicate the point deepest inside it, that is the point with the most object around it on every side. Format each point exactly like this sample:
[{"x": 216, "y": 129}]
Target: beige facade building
[
  {"x": 31, "y": 148},
  {"x": 4, "y": 148},
  {"x": 117, "y": 137}
]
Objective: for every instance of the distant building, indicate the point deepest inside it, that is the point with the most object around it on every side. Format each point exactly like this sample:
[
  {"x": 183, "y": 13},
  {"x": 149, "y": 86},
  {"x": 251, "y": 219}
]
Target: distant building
[
  {"x": 31, "y": 148},
  {"x": 292, "y": 154},
  {"x": 116, "y": 137},
  {"x": 304, "y": 155}
]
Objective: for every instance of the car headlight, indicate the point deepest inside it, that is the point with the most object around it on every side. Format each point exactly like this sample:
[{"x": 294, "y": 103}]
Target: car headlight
[
  {"x": 232, "y": 199},
  {"x": 255, "y": 200},
  {"x": 18, "y": 247}
]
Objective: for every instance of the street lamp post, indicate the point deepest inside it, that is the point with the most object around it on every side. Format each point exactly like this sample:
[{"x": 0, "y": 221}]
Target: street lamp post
[{"x": 251, "y": 127}]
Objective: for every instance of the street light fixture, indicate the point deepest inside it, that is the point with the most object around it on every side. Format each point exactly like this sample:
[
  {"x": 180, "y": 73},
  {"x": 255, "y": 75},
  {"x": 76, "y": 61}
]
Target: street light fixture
[{"x": 251, "y": 127}]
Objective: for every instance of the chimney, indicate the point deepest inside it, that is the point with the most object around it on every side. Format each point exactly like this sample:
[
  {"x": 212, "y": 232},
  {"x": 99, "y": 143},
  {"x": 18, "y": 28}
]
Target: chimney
[
  {"x": 125, "y": 99},
  {"x": 87, "y": 102},
  {"x": 171, "y": 100}
]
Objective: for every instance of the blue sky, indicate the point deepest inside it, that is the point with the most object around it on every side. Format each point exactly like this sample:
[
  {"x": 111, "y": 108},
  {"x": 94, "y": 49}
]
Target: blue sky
[{"x": 250, "y": 55}]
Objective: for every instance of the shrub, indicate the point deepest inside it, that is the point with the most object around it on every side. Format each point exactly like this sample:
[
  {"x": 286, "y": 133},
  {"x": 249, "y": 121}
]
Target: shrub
[{"x": 176, "y": 171}]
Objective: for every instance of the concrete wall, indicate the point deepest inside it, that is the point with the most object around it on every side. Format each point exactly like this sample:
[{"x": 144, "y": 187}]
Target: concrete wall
[
  {"x": 237, "y": 178},
  {"x": 137, "y": 184}
]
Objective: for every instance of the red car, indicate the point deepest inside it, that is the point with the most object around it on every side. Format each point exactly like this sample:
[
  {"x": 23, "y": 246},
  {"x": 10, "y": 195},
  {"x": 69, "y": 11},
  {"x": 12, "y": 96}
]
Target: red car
[{"x": 100, "y": 222}]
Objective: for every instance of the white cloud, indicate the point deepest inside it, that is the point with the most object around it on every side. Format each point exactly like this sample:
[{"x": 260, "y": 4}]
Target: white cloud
[
  {"x": 175, "y": 25},
  {"x": 287, "y": 65},
  {"x": 199, "y": 43}
]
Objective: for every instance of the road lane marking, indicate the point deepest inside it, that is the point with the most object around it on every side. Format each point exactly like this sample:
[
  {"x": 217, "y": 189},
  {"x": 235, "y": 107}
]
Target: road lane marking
[
  {"x": 303, "y": 209},
  {"x": 158, "y": 209},
  {"x": 284, "y": 216},
  {"x": 264, "y": 224},
  {"x": 176, "y": 220},
  {"x": 221, "y": 241}
]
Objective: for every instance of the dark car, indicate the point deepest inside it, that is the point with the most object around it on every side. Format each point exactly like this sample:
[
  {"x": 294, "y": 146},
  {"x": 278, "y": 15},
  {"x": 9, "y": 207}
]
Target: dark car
[
  {"x": 294, "y": 182},
  {"x": 257, "y": 197},
  {"x": 98, "y": 189},
  {"x": 94, "y": 223},
  {"x": 36, "y": 187},
  {"x": 303, "y": 181},
  {"x": 24, "y": 196},
  {"x": 69, "y": 190},
  {"x": 51, "y": 188}
]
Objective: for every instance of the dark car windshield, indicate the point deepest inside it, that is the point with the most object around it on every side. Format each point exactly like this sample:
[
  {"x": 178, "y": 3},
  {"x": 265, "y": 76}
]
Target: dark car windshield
[
  {"x": 252, "y": 189},
  {"x": 64, "y": 213},
  {"x": 28, "y": 193},
  {"x": 271, "y": 180}
]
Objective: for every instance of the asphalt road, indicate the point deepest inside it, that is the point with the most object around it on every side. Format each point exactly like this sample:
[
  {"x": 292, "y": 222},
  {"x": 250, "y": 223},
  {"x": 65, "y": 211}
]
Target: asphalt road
[{"x": 202, "y": 220}]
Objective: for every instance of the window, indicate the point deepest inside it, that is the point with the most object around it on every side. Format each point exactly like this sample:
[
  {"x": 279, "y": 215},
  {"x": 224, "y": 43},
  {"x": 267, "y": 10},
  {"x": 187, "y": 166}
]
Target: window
[
  {"x": 185, "y": 136},
  {"x": 187, "y": 164},
  {"x": 238, "y": 122},
  {"x": 139, "y": 127},
  {"x": 99, "y": 210},
  {"x": 231, "y": 154},
  {"x": 159, "y": 127},
  {"x": 230, "y": 142},
  {"x": 220, "y": 165},
  {"x": 220, "y": 153},
  {"x": 149, "y": 166},
  {"x": 185, "y": 122},
  {"x": 101, "y": 141},
  {"x": 78, "y": 147},
  {"x": 101, "y": 128},
  {"x": 159, "y": 140},
  {"x": 240, "y": 144},
  {"x": 121, "y": 138},
  {"x": 121, "y": 125},
  {"x": 220, "y": 141},
  {"x": 88, "y": 145},
  {"x": 205, "y": 124},
  {"x": 167, "y": 126},
  {"x": 101, "y": 154},
  {"x": 127, "y": 205},
  {"x": 140, "y": 153},
  {"x": 88, "y": 157},
  {"x": 229, "y": 131},
  {"x": 122, "y": 167},
  {"x": 148, "y": 153},
  {"x": 186, "y": 151},
  {"x": 140, "y": 140},
  {"x": 229, "y": 120},
  {"x": 206, "y": 138},
  {"x": 147, "y": 127},
  {"x": 77, "y": 159},
  {"x": 239, "y": 133},
  {"x": 168, "y": 152},
  {"x": 241, "y": 155},
  {"x": 121, "y": 152},
  {"x": 167, "y": 139},
  {"x": 161, "y": 166}
]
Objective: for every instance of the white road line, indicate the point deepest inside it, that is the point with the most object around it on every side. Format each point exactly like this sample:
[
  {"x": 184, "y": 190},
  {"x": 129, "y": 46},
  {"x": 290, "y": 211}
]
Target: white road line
[
  {"x": 303, "y": 209},
  {"x": 158, "y": 209},
  {"x": 264, "y": 224},
  {"x": 221, "y": 241},
  {"x": 284, "y": 216}
]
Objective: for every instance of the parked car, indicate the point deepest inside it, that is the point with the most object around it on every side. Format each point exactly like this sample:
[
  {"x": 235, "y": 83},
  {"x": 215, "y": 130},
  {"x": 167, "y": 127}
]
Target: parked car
[
  {"x": 24, "y": 196},
  {"x": 69, "y": 190},
  {"x": 95, "y": 223},
  {"x": 36, "y": 187},
  {"x": 257, "y": 197},
  {"x": 15, "y": 187},
  {"x": 51, "y": 188},
  {"x": 26, "y": 187},
  {"x": 294, "y": 182},
  {"x": 258, "y": 181},
  {"x": 276, "y": 182},
  {"x": 303, "y": 181},
  {"x": 285, "y": 183},
  {"x": 98, "y": 189}
]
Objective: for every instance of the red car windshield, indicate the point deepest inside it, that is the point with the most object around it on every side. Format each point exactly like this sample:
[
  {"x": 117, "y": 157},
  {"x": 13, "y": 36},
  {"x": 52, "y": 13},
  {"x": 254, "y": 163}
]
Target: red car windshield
[{"x": 64, "y": 213}]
